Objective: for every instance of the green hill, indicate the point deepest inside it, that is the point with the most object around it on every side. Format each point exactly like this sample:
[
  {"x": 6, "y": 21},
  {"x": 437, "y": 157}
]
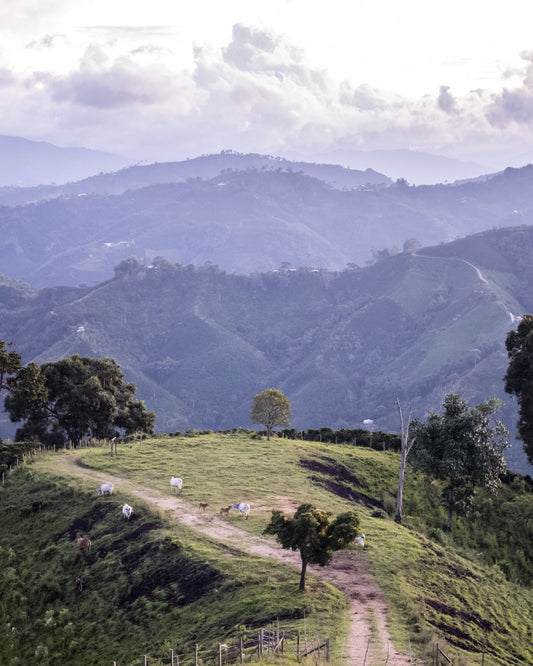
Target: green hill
[
  {"x": 154, "y": 584},
  {"x": 200, "y": 343}
]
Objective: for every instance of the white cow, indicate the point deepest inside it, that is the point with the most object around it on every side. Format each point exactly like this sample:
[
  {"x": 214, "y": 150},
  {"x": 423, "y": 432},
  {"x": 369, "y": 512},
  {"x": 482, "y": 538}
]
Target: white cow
[
  {"x": 105, "y": 488},
  {"x": 176, "y": 482},
  {"x": 360, "y": 540},
  {"x": 242, "y": 508},
  {"x": 127, "y": 510}
]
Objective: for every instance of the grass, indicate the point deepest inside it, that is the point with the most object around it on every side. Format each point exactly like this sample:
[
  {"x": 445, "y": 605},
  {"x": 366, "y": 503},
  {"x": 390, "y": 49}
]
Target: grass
[
  {"x": 442, "y": 588},
  {"x": 145, "y": 585}
]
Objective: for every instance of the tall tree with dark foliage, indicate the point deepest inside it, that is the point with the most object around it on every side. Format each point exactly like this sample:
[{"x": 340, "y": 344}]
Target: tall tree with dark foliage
[{"x": 519, "y": 378}]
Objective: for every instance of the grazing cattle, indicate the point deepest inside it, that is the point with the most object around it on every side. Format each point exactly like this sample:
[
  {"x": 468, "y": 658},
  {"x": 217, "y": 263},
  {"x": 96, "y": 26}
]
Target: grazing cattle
[
  {"x": 37, "y": 506},
  {"x": 360, "y": 540},
  {"x": 226, "y": 511},
  {"x": 203, "y": 506},
  {"x": 105, "y": 488},
  {"x": 127, "y": 510},
  {"x": 84, "y": 543},
  {"x": 176, "y": 482},
  {"x": 242, "y": 508}
]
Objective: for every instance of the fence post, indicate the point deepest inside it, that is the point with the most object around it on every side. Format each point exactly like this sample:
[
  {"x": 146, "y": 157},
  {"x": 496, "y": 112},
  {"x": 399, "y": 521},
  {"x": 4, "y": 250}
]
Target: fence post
[
  {"x": 261, "y": 639},
  {"x": 437, "y": 655},
  {"x": 171, "y": 657},
  {"x": 240, "y": 649},
  {"x": 298, "y": 647},
  {"x": 196, "y": 655},
  {"x": 220, "y": 654},
  {"x": 327, "y": 649},
  {"x": 483, "y": 657}
]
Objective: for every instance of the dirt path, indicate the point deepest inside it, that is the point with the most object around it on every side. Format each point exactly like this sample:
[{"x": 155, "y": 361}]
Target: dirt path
[{"x": 368, "y": 634}]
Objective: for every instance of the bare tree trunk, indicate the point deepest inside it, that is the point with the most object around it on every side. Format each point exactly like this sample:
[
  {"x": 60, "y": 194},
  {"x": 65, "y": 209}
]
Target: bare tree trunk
[
  {"x": 451, "y": 498},
  {"x": 405, "y": 448},
  {"x": 302, "y": 573}
]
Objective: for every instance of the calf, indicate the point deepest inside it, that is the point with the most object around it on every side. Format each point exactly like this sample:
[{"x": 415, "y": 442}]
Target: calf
[
  {"x": 226, "y": 511},
  {"x": 84, "y": 543},
  {"x": 203, "y": 506}
]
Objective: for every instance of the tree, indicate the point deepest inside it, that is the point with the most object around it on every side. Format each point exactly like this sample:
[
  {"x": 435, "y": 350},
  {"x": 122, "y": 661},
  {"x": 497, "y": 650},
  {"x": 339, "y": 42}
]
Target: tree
[
  {"x": 463, "y": 447},
  {"x": 74, "y": 397},
  {"x": 312, "y": 533},
  {"x": 405, "y": 448},
  {"x": 270, "y": 408},
  {"x": 519, "y": 378},
  {"x": 10, "y": 363}
]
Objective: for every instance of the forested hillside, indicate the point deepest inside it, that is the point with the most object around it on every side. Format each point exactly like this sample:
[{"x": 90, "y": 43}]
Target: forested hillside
[
  {"x": 200, "y": 343},
  {"x": 245, "y": 220}
]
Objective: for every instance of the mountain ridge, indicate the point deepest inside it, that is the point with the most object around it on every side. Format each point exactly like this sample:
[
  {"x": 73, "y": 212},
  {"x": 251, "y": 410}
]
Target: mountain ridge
[{"x": 200, "y": 343}]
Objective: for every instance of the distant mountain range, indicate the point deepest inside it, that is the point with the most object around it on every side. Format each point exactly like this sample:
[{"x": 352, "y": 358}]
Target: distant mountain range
[
  {"x": 256, "y": 214},
  {"x": 416, "y": 167},
  {"x": 26, "y": 163},
  {"x": 199, "y": 343}
]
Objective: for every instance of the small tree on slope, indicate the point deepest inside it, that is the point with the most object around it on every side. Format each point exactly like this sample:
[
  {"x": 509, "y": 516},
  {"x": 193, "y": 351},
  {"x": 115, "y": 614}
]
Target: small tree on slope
[{"x": 312, "y": 533}]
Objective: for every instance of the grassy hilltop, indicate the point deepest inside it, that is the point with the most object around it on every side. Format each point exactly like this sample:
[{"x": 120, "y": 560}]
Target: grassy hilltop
[{"x": 151, "y": 584}]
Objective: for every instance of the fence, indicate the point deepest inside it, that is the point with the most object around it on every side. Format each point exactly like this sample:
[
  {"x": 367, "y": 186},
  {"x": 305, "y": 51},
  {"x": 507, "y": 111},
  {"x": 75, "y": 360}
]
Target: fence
[{"x": 268, "y": 642}]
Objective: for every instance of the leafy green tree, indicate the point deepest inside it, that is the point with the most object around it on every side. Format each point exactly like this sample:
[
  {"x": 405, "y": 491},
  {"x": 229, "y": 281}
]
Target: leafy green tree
[
  {"x": 463, "y": 447},
  {"x": 519, "y": 378},
  {"x": 10, "y": 363},
  {"x": 271, "y": 408},
  {"x": 74, "y": 397},
  {"x": 313, "y": 533}
]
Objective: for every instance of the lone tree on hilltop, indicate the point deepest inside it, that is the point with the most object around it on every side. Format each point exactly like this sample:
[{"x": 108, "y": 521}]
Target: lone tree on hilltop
[
  {"x": 271, "y": 408},
  {"x": 463, "y": 447},
  {"x": 74, "y": 398},
  {"x": 312, "y": 533},
  {"x": 519, "y": 378}
]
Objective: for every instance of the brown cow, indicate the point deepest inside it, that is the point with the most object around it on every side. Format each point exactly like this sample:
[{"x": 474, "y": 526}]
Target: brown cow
[
  {"x": 203, "y": 506},
  {"x": 226, "y": 511},
  {"x": 84, "y": 543}
]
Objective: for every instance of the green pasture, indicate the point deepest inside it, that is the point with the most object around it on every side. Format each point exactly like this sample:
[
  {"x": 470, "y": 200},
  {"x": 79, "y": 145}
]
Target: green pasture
[{"x": 439, "y": 587}]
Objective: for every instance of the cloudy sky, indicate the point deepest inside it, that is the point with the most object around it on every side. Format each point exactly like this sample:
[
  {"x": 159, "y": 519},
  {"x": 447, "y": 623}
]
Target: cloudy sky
[{"x": 169, "y": 79}]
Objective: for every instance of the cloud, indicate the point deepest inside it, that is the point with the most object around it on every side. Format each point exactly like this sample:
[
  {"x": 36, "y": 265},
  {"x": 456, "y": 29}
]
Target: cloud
[
  {"x": 126, "y": 93},
  {"x": 446, "y": 101},
  {"x": 103, "y": 83},
  {"x": 515, "y": 105}
]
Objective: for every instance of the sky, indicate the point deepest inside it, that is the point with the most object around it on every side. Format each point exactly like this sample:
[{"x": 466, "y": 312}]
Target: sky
[{"x": 166, "y": 80}]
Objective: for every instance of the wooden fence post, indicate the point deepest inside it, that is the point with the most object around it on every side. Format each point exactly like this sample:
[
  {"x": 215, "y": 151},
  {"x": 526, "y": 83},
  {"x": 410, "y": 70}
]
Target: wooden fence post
[
  {"x": 171, "y": 657},
  {"x": 327, "y": 649},
  {"x": 298, "y": 647},
  {"x": 220, "y": 654},
  {"x": 196, "y": 655},
  {"x": 241, "y": 650}
]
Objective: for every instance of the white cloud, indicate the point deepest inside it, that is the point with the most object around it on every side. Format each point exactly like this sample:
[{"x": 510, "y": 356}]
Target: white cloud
[{"x": 127, "y": 91}]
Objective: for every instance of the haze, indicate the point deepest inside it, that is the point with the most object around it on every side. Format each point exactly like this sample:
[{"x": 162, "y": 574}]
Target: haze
[{"x": 169, "y": 80}]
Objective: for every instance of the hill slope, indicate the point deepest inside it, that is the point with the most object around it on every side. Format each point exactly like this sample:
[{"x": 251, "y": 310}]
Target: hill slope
[
  {"x": 247, "y": 221},
  {"x": 200, "y": 343},
  {"x": 149, "y": 584}
]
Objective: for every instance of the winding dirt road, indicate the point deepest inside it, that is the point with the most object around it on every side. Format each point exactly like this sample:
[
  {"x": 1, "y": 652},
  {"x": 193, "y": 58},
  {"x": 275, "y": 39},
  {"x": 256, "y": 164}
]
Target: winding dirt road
[{"x": 348, "y": 571}]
